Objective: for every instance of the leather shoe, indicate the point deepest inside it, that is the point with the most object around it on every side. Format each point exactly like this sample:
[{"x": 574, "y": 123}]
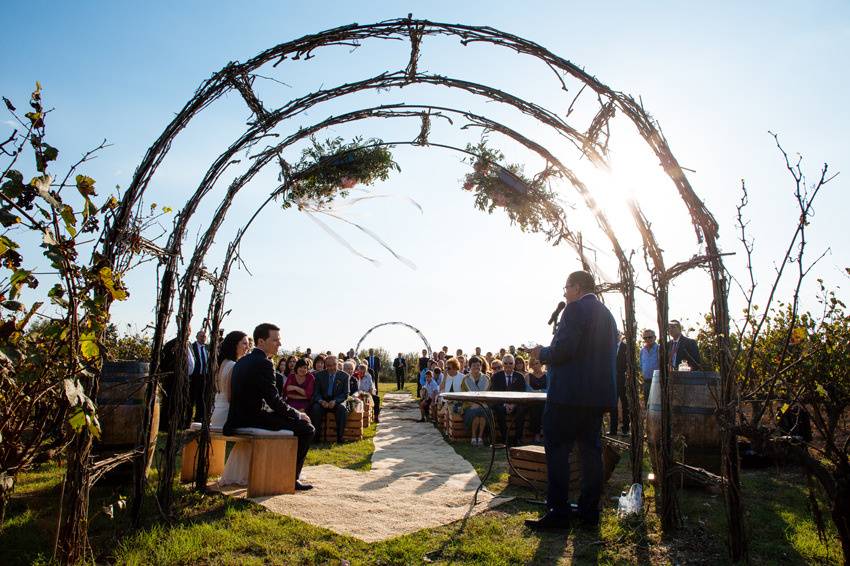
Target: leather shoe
[
  {"x": 549, "y": 521},
  {"x": 301, "y": 486}
]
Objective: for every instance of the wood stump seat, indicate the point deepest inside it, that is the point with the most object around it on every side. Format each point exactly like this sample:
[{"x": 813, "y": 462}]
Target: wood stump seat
[
  {"x": 353, "y": 427},
  {"x": 273, "y": 457}
]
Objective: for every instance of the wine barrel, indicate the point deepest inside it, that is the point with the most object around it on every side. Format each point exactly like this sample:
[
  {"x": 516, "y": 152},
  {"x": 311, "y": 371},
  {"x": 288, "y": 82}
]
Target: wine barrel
[
  {"x": 693, "y": 419},
  {"x": 121, "y": 407}
]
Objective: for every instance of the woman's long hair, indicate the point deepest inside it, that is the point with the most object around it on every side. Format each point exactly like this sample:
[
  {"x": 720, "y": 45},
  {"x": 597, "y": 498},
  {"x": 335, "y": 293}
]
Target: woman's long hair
[{"x": 229, "y": 344}]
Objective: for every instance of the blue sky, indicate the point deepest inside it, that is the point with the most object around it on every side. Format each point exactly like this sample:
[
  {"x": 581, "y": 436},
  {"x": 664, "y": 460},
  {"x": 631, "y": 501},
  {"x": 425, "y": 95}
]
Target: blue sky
[{"x": 717, "y": 77}]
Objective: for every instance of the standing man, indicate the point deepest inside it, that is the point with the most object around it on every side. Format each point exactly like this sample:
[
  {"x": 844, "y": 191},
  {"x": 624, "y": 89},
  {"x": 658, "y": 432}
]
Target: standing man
[
  {"x": 681, "y": 348},
  {"x": 329, "y": 394},
  {"x": 400, "y": 369},
  {"x": 423, "y": 365},
  {"x": 374, "y": 365},
  {"x": 509, "y": 380},
  {"x": 622, "y": 398},
  {"x": 648, "y": 361},
  {"x": 252, "y": 384},
  {"x": 582, "y": 386},
  {"x": 198, "y": 378}
]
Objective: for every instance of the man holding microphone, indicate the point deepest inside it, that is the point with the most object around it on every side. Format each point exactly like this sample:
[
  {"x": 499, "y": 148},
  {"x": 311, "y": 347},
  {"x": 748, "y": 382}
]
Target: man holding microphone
[{"x": 582, "y": 387}]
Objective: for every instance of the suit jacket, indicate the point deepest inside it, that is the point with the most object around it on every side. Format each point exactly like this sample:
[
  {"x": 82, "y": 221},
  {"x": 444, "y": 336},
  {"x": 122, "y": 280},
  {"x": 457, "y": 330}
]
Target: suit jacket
[
  {"x": 251, "y": 383},
  {"x": 423, "y": 362},
  {"x": 399, "y": 364},
  {"x": 340, "y": 389},
  {"x": 196, "y": 352},
  {"x": 499, "y": 382},
  {"x": 374, "y": 363},
  {"x": 582, "y": 356},
  {"x": 688, "y": 351}
]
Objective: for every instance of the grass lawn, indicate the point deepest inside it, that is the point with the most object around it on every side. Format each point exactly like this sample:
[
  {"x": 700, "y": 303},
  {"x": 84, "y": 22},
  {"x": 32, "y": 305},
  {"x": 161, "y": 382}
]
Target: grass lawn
[{"x": 215, "y": 529}]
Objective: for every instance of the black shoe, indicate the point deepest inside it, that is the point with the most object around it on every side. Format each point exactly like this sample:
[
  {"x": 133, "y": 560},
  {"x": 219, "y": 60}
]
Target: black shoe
[
  {"x": 301, "y": 486},
  {"x": 549, "y": 521}
]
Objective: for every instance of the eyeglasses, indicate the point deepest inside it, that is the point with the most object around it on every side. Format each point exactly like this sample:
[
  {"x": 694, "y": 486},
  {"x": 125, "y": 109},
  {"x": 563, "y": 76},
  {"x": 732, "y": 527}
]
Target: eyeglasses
[{"x": 649, "y": 337}]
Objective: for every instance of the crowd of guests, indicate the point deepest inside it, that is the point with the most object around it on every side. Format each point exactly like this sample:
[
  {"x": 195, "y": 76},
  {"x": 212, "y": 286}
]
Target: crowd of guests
[{"x": 509, "y": 371}]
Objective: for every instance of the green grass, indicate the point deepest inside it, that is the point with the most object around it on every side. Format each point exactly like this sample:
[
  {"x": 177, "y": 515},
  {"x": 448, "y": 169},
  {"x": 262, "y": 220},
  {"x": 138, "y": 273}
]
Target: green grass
[{"x": 215, "y": 529}]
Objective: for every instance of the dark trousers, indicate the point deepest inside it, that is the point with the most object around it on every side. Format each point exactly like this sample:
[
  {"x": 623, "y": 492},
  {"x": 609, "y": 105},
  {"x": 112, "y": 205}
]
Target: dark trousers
[
  {"x": 623, "y": 401},
  {"x": 376, "y": 401},
  {"x": 519, "y": 422},
  {"x": 317, "y": 415},
  {"x": 302, "y": 430},
  {"x": 564, "y": 426},
  {"x": 399, "y": 378},
  {"x": 195, "y": 406}
]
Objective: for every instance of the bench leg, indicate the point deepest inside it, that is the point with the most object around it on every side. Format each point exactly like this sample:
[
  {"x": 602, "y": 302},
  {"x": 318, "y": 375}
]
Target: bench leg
[
  {"x": 272, "y": 466},
  {"x": 190, "y": 455},
  {"x": 218, "y": 448}
]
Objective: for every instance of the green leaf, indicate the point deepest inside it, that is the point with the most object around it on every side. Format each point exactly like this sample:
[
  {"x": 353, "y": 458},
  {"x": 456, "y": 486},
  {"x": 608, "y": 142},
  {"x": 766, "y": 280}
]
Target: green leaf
[
  {"x": 17, "y": 280},
  {"x": 77, "y": 420},
  {"x": 70, "y": 220},
  {"x": 88, "y": 346},
  {"x": 114, "y": 288},
  {"x": 167, "y": 209},
  {"x": 85, "y": 185}
]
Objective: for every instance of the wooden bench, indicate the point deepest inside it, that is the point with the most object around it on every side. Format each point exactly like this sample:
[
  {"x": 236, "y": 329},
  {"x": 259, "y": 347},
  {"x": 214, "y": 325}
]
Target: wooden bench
[{"x": 273, "y": 456}]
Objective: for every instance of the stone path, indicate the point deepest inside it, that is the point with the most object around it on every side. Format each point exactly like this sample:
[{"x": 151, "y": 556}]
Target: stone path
[{"x": 417, "y": 481}]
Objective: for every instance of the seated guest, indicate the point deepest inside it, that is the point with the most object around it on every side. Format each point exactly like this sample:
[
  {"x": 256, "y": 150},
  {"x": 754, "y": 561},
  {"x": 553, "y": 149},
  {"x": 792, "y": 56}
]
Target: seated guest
[
  {"x": 438, "y": 376},
  {"x": 348, "y": 367},
  {"x": 330, "y": 391},
  {"x": 252, "y": 384},
  {"x": 473, "y": 414},
  {"x": 299, "y": 386},
  {"x": 318, "y": 364},
  {"x": 452, "y": 383},
  {"x": 495, "y": 367},
  {"x": 367, "y": 385},
  {"x": 536, "y": 381},
  {"x": 509, "y": 380},
  {"x": 428, "y": 393}
]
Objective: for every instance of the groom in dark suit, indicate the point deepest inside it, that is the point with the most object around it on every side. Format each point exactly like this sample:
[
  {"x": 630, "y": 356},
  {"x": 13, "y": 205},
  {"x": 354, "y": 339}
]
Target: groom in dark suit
[
  {"x": 582, "y": 386},
  {"x": 329, "y": 394},
  {"x": 251, "y": 384}
]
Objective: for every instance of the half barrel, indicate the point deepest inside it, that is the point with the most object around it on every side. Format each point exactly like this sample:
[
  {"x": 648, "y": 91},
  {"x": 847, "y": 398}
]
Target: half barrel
[
  {"x": 121, "y": 407},
  {"x": 694, "y": 425}
]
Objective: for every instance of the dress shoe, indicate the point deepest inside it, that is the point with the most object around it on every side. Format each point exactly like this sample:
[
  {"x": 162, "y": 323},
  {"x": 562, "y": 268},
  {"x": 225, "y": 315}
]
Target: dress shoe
[
  {"x": 549, "y": 521},
  {"x": 301, "y": 486}
]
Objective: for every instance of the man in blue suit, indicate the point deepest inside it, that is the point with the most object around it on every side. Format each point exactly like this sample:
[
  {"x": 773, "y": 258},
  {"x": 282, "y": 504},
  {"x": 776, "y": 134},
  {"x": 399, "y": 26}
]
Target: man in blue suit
[
  {"x": 582, "y": 387},
  {"x": 329, "y": 394}
]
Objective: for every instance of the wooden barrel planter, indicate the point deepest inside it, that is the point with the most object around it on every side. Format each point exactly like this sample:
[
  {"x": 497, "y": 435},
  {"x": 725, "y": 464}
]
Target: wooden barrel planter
[
  {"x": 694, "y": 424},
  {"x": 121, "y": 407}
]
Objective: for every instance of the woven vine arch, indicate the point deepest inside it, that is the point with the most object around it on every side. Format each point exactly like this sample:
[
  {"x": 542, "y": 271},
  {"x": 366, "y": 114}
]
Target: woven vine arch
[
  {"x": 395, "y": 323},
  {"x": 592, "y": 143}
]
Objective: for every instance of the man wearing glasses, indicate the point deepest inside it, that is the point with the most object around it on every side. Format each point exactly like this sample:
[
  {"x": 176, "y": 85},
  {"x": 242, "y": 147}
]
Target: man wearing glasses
[
  {"x": 582, "y": 387},
  {"x": 648, "y": 360}
]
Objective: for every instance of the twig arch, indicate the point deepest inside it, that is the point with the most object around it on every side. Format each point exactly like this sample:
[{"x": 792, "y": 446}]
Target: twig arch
[
  {"x": 593, "y": 143},
  {"x": 395, "y": 323}
]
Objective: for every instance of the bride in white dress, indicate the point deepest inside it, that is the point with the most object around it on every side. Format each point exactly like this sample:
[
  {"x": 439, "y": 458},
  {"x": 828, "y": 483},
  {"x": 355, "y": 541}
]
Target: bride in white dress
[{"x": 236, "y": 468}]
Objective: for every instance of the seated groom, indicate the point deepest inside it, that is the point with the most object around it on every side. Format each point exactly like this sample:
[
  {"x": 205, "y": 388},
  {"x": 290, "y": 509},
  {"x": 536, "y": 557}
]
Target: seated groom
[
  {"x": 329, "y": 394},
  {"x": 252, "y": 383}
]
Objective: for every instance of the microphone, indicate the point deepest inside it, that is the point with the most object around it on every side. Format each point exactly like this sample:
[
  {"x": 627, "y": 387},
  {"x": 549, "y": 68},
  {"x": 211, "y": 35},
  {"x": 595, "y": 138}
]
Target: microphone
[{"x": 554, "y": 318}]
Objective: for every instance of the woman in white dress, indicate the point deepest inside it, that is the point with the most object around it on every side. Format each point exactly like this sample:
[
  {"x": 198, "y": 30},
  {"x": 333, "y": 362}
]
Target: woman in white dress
[{"x": 233, "y": 347}]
